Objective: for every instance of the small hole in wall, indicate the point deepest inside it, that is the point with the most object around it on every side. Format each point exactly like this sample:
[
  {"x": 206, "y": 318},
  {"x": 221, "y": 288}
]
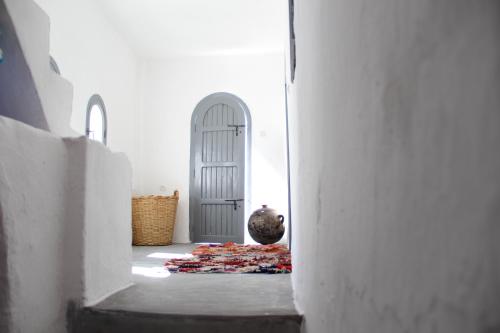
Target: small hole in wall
[
  {"x": 1, "y": 50},
  {"x": 54, "y": 66}
]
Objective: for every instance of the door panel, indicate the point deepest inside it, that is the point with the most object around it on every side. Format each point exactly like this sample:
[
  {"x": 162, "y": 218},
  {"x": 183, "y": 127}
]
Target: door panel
[
  {"x": 217, "y": 201},
  {"x": 217, "y": 220},
  {"x": 219, "y": 182}
]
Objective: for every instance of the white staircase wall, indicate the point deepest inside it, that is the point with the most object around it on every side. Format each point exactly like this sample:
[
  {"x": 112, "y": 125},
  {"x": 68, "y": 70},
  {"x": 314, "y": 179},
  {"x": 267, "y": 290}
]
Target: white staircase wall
[
  {"x": 18, "y": 96},
  {"x": 65, "y": 226},
  {"x": 65, "y": 229},
  {"x": 108, "y": 226},
  {"x": 32, "y": 198},
  {"x": 56, "y": 94}
]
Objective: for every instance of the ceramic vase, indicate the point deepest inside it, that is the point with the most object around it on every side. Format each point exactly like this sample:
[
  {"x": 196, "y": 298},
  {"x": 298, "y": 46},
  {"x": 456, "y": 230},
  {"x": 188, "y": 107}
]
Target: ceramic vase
[{"x": 266, "y": 226}]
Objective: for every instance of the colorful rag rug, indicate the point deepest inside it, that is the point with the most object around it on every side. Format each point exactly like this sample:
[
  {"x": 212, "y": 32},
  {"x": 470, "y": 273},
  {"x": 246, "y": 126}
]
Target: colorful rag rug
[{"x": 234, "y": 258}]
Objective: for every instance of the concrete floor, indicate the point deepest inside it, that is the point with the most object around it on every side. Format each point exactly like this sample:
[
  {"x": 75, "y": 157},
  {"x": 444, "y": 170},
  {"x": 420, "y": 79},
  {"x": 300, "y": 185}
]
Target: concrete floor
[
  {"x": 161, "y": 301},
  {"x": 158, "y": 291}
]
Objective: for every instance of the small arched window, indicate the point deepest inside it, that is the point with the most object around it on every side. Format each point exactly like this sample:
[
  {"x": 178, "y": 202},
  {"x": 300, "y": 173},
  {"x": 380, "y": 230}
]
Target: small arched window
[{"x": 96, "y": 127}]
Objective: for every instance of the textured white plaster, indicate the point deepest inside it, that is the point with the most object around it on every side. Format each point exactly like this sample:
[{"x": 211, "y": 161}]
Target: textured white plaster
[
  {"x": 65, "y": 225},
  {"x": 108, "y": 227},
  {"x": 65, "y": 229},
  {"x": 56, "y": 94},
  {"x": 32, "y": 196},
  {"x": 396, "y": 160}
]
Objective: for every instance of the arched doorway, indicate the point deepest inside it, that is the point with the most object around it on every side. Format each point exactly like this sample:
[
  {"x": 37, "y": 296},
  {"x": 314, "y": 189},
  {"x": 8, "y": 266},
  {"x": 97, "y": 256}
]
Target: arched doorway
[{"x": 220, "y": 137}]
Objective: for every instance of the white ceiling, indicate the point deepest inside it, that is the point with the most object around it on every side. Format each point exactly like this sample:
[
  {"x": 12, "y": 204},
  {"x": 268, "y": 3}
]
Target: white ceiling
[{"x": 163, "y": 28}]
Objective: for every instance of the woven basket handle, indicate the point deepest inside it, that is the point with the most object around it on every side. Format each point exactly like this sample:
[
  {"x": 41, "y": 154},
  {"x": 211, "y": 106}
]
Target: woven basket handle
[{"x": 176, "y": 194}]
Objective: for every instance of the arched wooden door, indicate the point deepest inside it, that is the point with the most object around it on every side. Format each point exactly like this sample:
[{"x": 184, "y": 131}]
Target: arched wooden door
[{"x": 220, "y": 129}]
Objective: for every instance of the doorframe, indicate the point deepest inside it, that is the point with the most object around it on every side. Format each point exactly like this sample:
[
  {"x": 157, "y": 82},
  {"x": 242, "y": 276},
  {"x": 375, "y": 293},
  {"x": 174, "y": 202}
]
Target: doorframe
[{"x": 198, "y": 111}]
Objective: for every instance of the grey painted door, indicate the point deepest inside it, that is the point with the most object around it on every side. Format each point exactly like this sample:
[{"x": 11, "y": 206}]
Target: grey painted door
[{"x": 218, "y": 151}]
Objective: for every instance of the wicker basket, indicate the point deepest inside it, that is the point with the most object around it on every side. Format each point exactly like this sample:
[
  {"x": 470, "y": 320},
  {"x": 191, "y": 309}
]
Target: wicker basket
[{"x": 153, "y": 219}]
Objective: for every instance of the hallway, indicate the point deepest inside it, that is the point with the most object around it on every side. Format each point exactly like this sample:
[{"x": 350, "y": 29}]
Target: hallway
[{"x": 375, "y": 132}]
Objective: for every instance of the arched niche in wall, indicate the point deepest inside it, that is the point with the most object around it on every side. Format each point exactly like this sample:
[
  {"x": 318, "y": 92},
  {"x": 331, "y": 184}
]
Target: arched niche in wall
[{"x": 96, "y": 125}]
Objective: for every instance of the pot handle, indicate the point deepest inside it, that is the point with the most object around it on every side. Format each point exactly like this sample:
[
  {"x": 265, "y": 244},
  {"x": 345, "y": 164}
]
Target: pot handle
[{"x": 281, "y": 218}]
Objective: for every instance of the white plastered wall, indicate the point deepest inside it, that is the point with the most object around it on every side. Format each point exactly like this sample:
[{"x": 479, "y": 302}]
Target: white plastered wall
[
  {"x": 64, "y": 202},
  {"x": 171, "y": 89},
  {"x": 395, "y": 164},
  {"x": 108, "y": 227},
  {"x": 32, "y": 198},
  {"x": 65, "y": 226},
  {"x": 96, "y": 59}
]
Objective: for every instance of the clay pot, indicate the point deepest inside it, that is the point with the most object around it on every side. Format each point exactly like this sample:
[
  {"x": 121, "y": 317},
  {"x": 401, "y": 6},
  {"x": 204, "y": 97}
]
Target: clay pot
[{"x": 266, "y": 226}]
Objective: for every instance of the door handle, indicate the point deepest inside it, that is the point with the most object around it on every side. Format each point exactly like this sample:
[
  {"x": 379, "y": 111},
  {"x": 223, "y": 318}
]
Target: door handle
[{"x": 234, "y": 202}]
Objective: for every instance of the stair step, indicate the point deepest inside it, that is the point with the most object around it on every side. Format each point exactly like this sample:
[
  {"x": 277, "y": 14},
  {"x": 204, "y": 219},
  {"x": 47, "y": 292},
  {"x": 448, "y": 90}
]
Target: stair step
[
  {"x": 162, "y": 302},
  {"x": 18, "y": 93},
  {"x": 94, "y": 320},
  {"x": 32, "y": 27},
  {"x": 58, "y": 107}
]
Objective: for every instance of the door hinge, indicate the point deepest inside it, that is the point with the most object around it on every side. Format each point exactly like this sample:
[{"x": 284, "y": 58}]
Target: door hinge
[
  {"x": 236, "y": 128},
  {"x": 234, "y": 201}
]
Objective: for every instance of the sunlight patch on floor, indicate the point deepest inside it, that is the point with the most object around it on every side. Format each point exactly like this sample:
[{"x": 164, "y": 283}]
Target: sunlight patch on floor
[
  {"x": 153, "y": 272},
  {"x": 165, "y": 255}
]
